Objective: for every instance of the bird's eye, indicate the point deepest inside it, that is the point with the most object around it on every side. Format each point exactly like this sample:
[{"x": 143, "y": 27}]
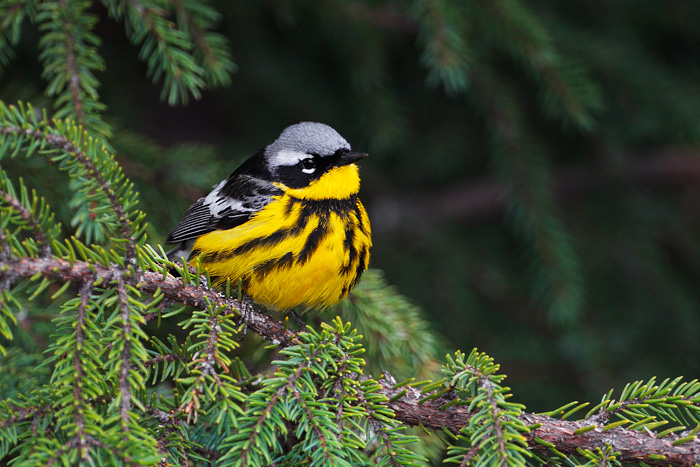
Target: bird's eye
[{"x": 308, "y": 166}]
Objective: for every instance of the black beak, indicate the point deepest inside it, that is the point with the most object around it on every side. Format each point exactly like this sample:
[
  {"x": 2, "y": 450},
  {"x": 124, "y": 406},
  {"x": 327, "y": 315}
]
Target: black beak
[{"x": 350, "y": 157}]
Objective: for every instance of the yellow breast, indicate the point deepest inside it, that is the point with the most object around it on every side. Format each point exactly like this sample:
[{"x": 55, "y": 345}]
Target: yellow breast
[{"x": 295, "y": 252}]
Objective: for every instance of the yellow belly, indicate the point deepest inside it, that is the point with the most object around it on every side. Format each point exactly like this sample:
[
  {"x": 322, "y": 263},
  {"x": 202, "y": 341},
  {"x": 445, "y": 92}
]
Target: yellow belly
[{"x": 293, "y": 253}]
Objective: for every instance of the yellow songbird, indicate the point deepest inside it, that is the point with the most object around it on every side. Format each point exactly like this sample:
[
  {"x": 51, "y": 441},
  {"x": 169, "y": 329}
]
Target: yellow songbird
[{"x": 287, "y": 223}]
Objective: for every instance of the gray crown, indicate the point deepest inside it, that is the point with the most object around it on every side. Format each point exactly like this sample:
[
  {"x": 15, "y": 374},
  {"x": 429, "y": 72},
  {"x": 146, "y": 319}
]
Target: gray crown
[{"x": 309, "y": 138}]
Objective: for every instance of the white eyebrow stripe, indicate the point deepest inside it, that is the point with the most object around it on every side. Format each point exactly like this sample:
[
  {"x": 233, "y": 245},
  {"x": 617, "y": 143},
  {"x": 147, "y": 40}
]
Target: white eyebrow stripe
[{"x": 287, "y": 157}]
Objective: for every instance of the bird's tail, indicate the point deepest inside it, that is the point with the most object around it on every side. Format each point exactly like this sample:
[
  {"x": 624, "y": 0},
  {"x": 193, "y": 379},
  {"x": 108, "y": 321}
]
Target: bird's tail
[{"x": 181, "y": 251}]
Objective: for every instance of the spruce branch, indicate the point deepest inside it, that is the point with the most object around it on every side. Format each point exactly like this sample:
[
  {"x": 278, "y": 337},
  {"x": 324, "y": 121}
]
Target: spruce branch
[
  {"x": 126, "y": 336},
  {"x": 387, "y": 435},
  {"x": 213, "y": 329},
  {"x": 212, "y": 50},
  {"x": 407, "y": 403},
  {"x": 81, "y": 437},
  {"x": 30, "y": 212},
  {"x": 14, "y": 414},
  {"x": 475, "y": 200},
  {"x": 12, "y": 14},
  {"x": 150, "y": 282},
  {"x": 82, "y": 158},
  {"x": 165, "y": 48},
  {"x": 107, "y": 175},
  {"x": 556, "y": 274},
  {"x": 70, "y": 59},
  {"x": 446, "y": 53},
  {"x": 26, "y": 214},
  {"x": 294, "y": 396},
  {"x": 498, "y": 423},
  {"x": 496, "y": 426},
  {"x": 317, "y": 427},
  {"x": 261, "y": 406},
  {"x": 76, "y": 386},
  {"x": 75, "y": 443},
  {"x": 568, "y": 91}
]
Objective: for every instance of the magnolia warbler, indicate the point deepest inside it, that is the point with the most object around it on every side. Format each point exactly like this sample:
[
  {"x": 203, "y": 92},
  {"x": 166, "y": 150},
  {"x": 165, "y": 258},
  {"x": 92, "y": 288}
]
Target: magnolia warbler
[{"x": 287, "y": 223}]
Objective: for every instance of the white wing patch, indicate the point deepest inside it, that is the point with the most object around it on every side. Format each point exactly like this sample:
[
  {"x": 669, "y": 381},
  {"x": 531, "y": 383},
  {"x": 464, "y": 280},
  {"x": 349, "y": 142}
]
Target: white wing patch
[
  {"x": 226, "y": 206},
  {"x": 218, "y": 202}
]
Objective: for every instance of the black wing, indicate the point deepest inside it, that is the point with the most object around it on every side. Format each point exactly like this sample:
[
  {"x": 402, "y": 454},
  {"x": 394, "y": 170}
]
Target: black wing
[{"x": 230, "y": 203}]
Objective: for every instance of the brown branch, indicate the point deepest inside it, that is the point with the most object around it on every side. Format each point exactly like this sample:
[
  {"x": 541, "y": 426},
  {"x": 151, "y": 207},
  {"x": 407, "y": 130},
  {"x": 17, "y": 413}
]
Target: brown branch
[
  {"x": 81, "y": 436},
  {"x": 149, "y": 282},
  {"x": 198, "y": 35},
  {"x": 124, "y": 386},
  {"x": 482, "y": 199},
  {"x": 206, "y": 367},
  {"x": 72, "y": 71},
  {"x": 162, "y": 358},
  {"x": 633, "y": 446}
]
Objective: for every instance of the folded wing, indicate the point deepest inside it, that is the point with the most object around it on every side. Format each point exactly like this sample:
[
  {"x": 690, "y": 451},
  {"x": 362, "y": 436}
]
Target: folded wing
[{"x": 230, "y": 204}]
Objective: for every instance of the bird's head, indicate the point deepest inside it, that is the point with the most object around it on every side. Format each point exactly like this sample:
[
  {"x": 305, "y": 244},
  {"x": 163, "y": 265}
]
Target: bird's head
[{"x": 312, "y": 161}]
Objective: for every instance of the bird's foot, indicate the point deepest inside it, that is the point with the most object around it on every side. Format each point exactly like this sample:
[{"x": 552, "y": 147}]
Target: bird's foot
[{"x": 297, "y": 319}]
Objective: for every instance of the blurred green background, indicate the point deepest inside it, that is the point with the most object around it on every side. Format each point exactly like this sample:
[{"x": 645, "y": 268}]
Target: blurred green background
[{"x": 533, "y": 172}]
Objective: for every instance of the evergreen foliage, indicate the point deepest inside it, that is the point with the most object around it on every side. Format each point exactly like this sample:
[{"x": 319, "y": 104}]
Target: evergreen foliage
[
  {"x": 113, "y": 355},
  {"x": 71, "y": 58}
]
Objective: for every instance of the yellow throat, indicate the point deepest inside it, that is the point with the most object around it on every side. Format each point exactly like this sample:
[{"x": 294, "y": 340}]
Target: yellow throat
[{"x": 337, "y": 183}]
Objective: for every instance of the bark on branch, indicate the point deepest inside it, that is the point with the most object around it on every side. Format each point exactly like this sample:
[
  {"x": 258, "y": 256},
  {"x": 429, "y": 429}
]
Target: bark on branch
[
  {"x": 633, "y": 446},
  {"x": 477, "y": 200},
  {"x": 171, "y": 287}
]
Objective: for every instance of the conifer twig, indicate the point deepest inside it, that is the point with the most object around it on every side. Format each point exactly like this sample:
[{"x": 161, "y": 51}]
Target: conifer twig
[
  {"x": 72, "y": 72},
  {"x": 206, "y": 365},
  {"x": 81, "y": 437},
  {"x": 124, "y": 385},
  {"x": 149, "y": 282},
  {"x": 478, "y": 199},
  {"x": 64, "y": 144},
  {"x": 634, "y": 446},
  {"x": 5, "y": 257},
  {"x": 37, "y": 230},
  {"x": 410, "y": 408}
]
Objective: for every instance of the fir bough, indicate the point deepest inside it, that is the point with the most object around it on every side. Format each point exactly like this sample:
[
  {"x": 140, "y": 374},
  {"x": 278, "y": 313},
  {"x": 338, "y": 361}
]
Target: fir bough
[
  {"x": 495, "y": 434},
  {"x": 147, "y": 368},
  {"x": 185, "y": 52},
  {"x": 71, "y": 59},
  {"x": 113, "y": 395}
]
